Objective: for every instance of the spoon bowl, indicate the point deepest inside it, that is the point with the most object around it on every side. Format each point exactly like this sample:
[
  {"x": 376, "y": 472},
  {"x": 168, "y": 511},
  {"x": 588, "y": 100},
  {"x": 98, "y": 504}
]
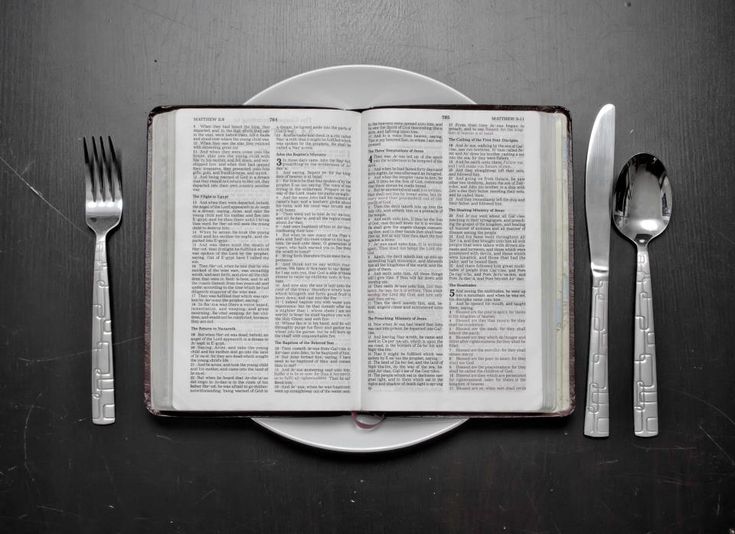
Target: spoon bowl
[
  {"x": 641, "y": 211},
  {"x": 642, "y": 199}
]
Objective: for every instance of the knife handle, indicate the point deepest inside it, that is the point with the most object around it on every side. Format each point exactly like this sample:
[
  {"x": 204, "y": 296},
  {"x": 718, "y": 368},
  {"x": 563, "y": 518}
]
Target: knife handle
[
  {"x": 597, "y": 409},
  {"x": 645, "y": 387}
]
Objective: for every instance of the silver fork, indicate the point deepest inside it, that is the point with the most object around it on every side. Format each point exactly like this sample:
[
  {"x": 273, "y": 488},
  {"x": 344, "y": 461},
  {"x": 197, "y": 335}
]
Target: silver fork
[{"x": 103, "y": 207}]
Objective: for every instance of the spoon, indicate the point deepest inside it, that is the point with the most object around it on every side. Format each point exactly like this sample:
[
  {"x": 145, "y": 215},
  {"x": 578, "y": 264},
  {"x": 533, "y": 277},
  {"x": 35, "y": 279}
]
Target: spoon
[{"x": 641, "y": 211}]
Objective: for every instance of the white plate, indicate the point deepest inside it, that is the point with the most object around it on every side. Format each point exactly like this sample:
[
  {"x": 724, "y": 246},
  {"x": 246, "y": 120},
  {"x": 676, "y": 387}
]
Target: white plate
[{"x": 356, "y": 87}]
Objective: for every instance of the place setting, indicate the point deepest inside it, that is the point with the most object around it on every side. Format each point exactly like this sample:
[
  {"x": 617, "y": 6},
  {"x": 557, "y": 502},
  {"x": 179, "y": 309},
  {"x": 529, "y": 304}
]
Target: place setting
[{"x": 361, "y": 258}]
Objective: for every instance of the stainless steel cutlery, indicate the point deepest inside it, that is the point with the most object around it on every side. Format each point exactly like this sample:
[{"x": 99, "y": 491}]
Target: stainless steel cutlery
[
  {"x": 598, "y": 190},
  {"x": 103, "y": 209},
  {"x": 641, "y": 209}
]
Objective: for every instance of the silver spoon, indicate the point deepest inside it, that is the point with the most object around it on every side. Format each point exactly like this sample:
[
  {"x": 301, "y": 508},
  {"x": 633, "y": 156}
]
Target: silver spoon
[{"x": 641, "y": 211}]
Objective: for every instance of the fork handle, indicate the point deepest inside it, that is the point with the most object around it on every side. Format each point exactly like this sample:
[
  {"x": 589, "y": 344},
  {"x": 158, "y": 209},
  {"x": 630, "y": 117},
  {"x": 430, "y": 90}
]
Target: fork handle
[
  {"x": 645, "y": 386},
  {"x": 103, "y": 381},
  {"x": 597, "y": 409}
]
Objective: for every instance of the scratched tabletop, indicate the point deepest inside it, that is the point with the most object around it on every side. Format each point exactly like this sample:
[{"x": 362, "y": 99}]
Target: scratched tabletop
[{"x": 77, "y": 68}]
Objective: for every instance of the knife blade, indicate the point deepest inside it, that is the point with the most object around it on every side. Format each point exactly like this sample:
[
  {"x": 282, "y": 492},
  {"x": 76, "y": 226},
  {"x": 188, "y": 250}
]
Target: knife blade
[{"x": 599, "y": 175}]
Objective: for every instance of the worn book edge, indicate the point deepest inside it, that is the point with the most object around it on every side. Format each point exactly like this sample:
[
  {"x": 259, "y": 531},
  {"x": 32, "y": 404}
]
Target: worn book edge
[{"x": 569, "y": 369}]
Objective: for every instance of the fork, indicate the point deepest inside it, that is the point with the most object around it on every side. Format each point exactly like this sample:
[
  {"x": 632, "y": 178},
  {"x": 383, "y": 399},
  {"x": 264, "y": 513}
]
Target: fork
[{"x": 103, "y": 208}]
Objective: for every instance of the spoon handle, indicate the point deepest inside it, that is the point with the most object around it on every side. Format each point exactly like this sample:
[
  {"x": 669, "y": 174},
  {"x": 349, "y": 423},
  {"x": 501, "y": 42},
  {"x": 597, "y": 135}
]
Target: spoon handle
[
  {"x": 597, "y": 410},
  {"x": 645, "y": 388}
]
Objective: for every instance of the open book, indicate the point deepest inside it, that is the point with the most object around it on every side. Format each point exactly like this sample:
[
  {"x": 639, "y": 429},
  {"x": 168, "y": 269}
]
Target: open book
[{"x": 386, "y": 260}]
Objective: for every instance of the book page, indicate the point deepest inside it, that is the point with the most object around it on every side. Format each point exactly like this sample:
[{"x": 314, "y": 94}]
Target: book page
[
  {"x": 453, "y": 254},
  {"x": 267, "y": 263}
]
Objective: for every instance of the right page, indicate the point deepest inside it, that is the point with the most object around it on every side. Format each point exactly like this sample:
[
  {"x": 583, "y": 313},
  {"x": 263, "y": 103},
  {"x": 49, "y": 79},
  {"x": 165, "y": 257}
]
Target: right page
[{"x": 454, "y": 261}]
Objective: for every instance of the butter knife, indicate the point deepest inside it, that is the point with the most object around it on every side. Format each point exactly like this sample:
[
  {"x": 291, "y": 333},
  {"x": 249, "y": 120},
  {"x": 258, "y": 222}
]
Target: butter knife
[{"x": 598, "y": 194}]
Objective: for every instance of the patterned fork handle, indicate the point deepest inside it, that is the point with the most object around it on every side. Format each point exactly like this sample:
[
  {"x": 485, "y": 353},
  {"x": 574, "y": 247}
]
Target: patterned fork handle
[
  {"x": 103, "y": 381},
  {"x": 645, "y": 387},
  {"x": 597, "y": 409}
]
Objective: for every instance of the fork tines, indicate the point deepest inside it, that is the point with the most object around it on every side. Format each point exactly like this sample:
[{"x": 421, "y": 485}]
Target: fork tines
[{"x": 102, "y": 172}]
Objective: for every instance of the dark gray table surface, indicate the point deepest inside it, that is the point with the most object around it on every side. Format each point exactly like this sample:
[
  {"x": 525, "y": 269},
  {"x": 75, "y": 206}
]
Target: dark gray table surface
[{"x": 76, "y": 68}]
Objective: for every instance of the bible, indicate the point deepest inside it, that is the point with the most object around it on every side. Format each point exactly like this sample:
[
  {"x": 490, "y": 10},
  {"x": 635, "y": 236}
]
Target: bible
[{"x": 395, "y": 259}]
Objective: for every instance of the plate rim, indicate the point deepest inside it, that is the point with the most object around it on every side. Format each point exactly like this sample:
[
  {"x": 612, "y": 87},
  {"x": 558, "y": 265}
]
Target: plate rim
[{"x": 361, "y": 66}]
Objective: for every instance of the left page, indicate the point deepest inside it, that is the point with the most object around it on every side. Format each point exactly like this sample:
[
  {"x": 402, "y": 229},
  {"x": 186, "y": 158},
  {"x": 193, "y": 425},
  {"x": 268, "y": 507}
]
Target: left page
[{"x": 266, "y": 263}]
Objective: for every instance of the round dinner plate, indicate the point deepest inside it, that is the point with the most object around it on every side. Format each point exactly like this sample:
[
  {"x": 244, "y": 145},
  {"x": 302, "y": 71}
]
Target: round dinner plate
[{"x": 358, "y": 87}]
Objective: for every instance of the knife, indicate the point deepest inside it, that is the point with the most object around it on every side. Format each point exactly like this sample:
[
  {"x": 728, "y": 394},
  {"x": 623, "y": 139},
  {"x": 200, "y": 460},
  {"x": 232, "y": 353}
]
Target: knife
[{"x": 598, "y": 194}]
